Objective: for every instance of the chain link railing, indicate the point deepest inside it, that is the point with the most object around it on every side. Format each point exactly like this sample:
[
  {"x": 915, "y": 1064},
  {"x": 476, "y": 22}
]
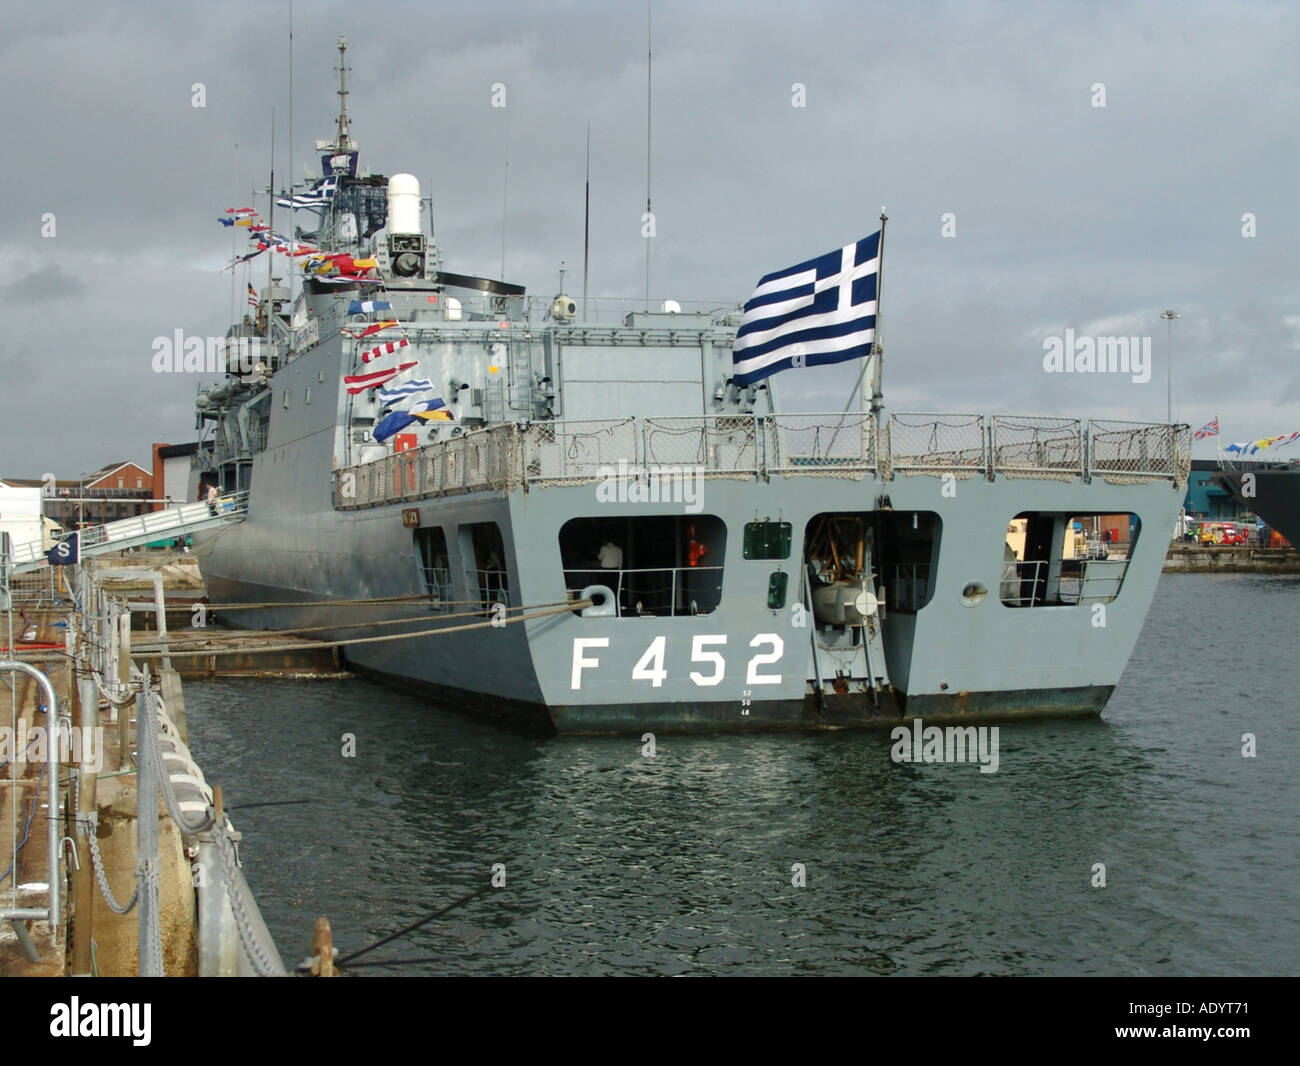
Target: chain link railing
[
  {"x": 937, "y": 444},
  {"x": 727, "y": 446},
  {"x": 820, "y": 445},
  {"x": 1138, "y": 451},
  {"x": 1037, "y": 447}
]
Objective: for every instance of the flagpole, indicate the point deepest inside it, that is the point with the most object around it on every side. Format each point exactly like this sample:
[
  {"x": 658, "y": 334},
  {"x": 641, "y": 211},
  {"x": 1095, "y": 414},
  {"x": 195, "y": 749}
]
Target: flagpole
[
  {"x": 270, "y": 259},
  {"x": 878, "y": 349}
]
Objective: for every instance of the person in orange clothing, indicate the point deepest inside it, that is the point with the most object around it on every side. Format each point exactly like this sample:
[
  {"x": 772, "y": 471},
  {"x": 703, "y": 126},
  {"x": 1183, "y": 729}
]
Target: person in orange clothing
[{"x": 695, "y": 550}]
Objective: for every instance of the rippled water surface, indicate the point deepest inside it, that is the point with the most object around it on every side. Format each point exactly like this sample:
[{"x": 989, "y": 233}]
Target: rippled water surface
[{"x": 681, "y": 863}]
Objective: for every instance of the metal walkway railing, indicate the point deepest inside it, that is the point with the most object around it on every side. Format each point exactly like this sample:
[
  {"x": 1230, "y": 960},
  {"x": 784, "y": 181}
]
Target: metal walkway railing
[{"x": 140, "y": 529}]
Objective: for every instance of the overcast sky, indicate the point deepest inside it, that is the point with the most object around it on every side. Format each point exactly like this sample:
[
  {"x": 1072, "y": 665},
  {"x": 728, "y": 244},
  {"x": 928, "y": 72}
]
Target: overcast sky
[{"x": 1067, "y": 215}]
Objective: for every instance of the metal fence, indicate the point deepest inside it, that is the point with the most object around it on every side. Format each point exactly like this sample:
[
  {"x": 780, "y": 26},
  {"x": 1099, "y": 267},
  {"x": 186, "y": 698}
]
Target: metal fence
[
  {"x": 1036, "y": 446},
  {"x": 655, "y": 591},
  {"x": 850, "y": 445}
]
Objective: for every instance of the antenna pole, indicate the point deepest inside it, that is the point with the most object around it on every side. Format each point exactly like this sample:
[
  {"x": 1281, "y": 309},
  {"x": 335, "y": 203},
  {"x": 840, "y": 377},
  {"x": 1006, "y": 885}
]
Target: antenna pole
[
  {"x": 343, "y": 138},
  {"x": 649, "y": 84},
  {"x": 271, "y": 251},
  {"x": 505, "y": 196},
  {"x": 586, "y": 228},
  {"x": 270, "y": 194},
  {"x": 877, "y": 348}
]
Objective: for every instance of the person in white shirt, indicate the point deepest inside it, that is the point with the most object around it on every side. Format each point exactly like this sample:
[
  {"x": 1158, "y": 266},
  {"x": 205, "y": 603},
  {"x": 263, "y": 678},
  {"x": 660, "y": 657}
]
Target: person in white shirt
[{"x": 611, "y": 556}]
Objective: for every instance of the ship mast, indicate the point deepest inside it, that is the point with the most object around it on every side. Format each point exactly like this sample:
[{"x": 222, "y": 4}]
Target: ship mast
[{"x": 342, "y": 139}]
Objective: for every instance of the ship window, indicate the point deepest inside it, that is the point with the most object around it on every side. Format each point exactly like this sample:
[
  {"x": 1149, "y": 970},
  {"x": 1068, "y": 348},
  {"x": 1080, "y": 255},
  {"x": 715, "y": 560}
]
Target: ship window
[
  {"x": 777, "y": 585},
  {"x": 485, "y": 556},
  {"x": 656, "y": 565},
  {"x": 1058, "y": 559},
  {"x": 431, "y": 551},
  {"x": 767, "y": 540}
]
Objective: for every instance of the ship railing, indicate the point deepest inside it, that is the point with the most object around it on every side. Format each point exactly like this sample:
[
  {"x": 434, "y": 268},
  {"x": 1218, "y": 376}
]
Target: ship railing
[
  {"x": 437, "y": 582},
  {"x": 744, "y": 446},
  {"x": 607, "y": 310},
  {"x": 653, "y": 591},
  {"x": 918, "y": 443},
  {"x": 1078, "y": 581},
  {"x": 1035, "y": 446},
  {"x": 1139, "y": 451},
  {"x": 1024, "y": 582},
  {"x": 491, "y": 585},
  {"x": 842, "y": 445}
]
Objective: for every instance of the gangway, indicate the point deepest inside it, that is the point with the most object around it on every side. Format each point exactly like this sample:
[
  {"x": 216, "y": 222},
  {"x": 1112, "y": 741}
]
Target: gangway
[{"x": 140, "y": 529}]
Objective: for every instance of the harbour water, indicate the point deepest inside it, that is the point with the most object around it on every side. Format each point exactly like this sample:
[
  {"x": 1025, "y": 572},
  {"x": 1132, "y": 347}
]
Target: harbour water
[{"x": 681, "y": 863}]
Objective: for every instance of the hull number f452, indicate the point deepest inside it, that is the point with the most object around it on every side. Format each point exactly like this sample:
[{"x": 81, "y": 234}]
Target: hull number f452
[{"x": 707, "y": 659}]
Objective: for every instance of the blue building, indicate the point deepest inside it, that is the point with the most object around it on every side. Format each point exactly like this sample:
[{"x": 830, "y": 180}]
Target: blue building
[{"x": 1204, "y": 498}]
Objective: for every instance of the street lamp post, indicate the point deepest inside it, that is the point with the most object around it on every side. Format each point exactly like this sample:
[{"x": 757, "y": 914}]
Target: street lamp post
[{"x": 1169, "y": 317}]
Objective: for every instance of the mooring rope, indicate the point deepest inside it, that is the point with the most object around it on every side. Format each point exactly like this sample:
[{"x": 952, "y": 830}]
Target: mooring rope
[
  {"x": 493, "y": 623},
  {"x": 190, "y": 642}
]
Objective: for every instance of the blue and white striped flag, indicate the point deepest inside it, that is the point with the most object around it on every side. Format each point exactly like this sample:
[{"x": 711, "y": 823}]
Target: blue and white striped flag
[
  {"x": 364, "y": 307},
  {"x": 319, "y": 195},
  {"x": 819, "y": 312},
  {"x": 399, "y": 395}
]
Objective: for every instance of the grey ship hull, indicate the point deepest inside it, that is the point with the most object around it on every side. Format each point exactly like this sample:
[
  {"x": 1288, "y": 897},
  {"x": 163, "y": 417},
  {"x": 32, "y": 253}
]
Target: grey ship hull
[{"x": 947, "y": 659}]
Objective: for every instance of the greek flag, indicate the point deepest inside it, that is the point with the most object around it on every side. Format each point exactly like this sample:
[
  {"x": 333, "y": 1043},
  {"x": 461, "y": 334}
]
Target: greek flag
[
  {"x": 822, "y": 311},
  {"x": 319, "y": 195}
]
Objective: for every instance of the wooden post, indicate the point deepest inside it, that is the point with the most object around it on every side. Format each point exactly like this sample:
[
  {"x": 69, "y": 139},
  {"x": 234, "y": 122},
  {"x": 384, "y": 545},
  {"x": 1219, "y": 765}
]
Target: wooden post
[{"x": 322, "y": 949}]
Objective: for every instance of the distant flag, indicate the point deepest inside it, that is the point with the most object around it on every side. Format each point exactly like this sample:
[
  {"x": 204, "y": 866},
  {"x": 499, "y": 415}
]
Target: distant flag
[
  {"x": 358, "y": 383},
  {"x": 246, "y": 222},
  {"x": 364, "y": 307},
  {"x": 377, "y": 327},
  {"x": 1210, "y": 429},
  {"x": 252, "y": 297},
  {"x": 405, "y": 393},
  {"x": 1254, "y": 447},
  {"x": 245, "y": 258},
  {"x": 226, "y": 221},
  {"x": 818, "y": 312},
  {"x": 384, "y": 349}
]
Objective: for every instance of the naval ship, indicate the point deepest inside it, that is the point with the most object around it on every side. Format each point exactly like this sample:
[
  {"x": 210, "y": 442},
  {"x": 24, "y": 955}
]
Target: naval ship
[
  {"x": 1272, "y": 491},
  {"x": 590, "y": 525}
]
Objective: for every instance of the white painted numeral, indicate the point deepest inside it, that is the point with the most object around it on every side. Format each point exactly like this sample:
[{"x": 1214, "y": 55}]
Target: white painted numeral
[
  {"x": 752, "y": 676},
  {"x": 699, "y": 654},
  {"x": 650, "y": 667}
]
